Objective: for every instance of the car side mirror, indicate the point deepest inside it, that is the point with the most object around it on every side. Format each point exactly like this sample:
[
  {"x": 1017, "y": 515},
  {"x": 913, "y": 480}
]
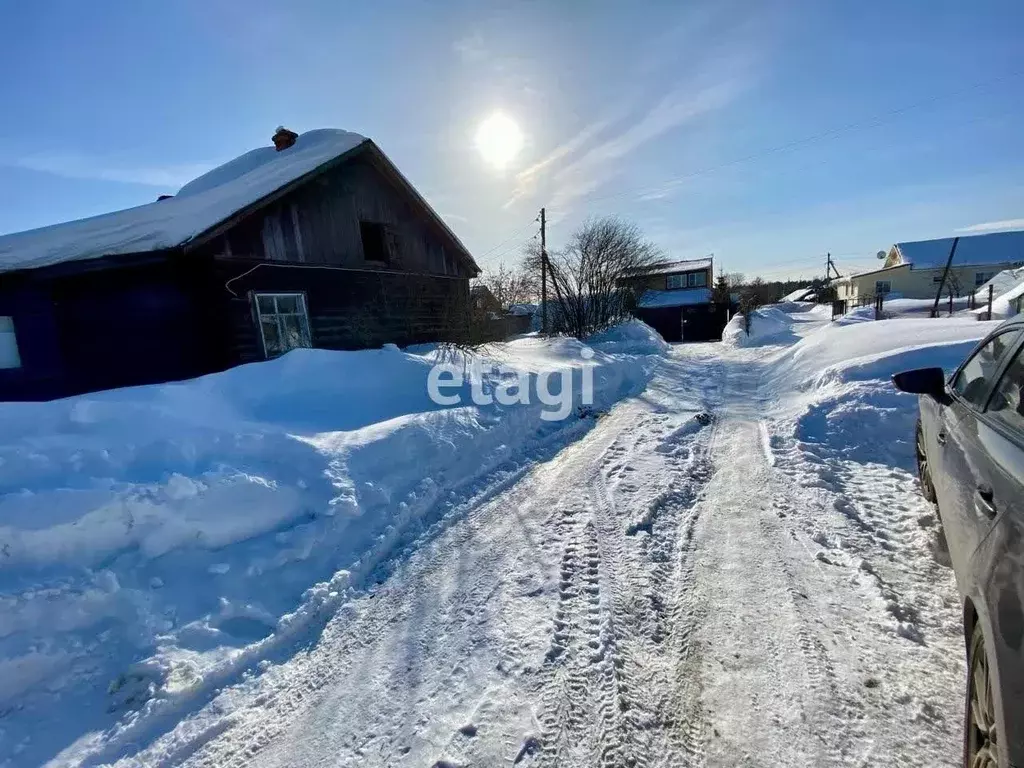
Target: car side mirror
[{"x": 923, "y": 381}]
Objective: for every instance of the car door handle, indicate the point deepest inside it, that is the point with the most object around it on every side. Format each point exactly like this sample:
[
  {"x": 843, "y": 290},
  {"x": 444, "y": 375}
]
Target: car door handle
[
  {"x": 941, "y": 437},
  {"x": 984, "y": 501}
]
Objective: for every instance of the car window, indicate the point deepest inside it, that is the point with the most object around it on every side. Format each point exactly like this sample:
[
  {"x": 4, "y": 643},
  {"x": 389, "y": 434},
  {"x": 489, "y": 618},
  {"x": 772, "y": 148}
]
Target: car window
[
  {"x": 1007, "y": 403},
  {"x": 979, "y": 371}
]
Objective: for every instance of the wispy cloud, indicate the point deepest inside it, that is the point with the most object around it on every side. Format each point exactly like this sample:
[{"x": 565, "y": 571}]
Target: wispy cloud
[
  {"x": 526, "y": 179},
  {"x": 79, "y": 166},
  {"x": 471, "y": 49},
  {"x": 576, "y": 172},
  {"x": 993, "y": 226}
]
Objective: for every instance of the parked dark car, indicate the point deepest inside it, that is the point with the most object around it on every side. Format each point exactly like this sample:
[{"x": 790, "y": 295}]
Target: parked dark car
[{"x": 970, "y": 454}]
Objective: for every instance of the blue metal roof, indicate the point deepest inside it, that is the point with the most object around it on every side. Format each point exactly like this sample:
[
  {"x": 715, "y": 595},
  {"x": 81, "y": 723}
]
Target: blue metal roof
[
  {"x": 683, "y": 297},
  {"x": 983, "y": 250}
]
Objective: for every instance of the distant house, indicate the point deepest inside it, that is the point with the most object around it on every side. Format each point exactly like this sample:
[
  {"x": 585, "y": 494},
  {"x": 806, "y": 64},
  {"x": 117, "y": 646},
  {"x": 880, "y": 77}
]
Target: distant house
[
  {"x": 914, "y": 269},
  {"x": 318, "y": 241},
  {"x": 483, "y": 301},
  {"x": 492, "y": 322},
  {"x": 674, "y": 298}
]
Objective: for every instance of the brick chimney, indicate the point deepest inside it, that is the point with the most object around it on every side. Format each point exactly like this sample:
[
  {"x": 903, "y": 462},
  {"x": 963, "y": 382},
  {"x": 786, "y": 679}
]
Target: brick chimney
[{"x": 283, "y": 138}]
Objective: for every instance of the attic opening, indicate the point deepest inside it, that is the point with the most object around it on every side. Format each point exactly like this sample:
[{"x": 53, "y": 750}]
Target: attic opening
[{"x": 375, "y": 242}]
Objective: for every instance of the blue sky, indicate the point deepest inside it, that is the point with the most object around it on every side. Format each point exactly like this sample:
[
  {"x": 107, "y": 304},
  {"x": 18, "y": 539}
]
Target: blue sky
[{"x": 766, "y": 133}]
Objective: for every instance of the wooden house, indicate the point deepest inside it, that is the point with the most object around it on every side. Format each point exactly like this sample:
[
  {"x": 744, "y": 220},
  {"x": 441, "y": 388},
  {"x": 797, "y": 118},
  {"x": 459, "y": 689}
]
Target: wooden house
[{"x": 318, "y": 241}]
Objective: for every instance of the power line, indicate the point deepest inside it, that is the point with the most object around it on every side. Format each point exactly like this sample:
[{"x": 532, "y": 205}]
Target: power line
[
  {"x": 508, "y": 239},
  {"x": 872, "y": 122},
  {"x": 512, "y": 248}
]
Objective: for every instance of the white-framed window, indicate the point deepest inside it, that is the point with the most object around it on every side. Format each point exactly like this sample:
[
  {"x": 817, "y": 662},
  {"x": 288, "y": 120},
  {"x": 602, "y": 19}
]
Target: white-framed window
[
  {"x": 882, "y": 286},
  {"x": 283, "y": 321},
  {"x": 687, "y": 280},
  {"x": 9, "y": 357}
]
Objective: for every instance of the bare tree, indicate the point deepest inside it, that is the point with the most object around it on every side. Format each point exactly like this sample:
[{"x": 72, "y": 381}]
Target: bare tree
[
  {"x": 515, "y": 285},
  {"x": 588, "y": 280},
  {"x": 736, "y": 279},
  {"x": 954, "y": 287}
]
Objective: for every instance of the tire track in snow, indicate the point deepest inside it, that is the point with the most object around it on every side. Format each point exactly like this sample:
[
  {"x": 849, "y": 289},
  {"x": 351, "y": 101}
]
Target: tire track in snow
[
  {"x": 580, "y": 717},
  {"x": 833, "y": 717},
  {"x": 869, "y": 525},
  {"x": 639, "y": 534},
  {"x": 651, "y": 567},
  {"x": 441, "y": 604},
  {"x": 763, "y": 636}
]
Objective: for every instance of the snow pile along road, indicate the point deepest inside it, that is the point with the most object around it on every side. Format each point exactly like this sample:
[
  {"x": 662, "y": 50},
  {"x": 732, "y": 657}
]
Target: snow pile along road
[
  {"x": 726, "y": 562},
  {"x": 157, "y": 542}
]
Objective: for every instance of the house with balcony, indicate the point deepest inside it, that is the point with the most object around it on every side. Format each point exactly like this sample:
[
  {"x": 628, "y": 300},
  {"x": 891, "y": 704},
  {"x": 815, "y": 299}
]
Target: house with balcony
[{"x": 674, "y": 298}]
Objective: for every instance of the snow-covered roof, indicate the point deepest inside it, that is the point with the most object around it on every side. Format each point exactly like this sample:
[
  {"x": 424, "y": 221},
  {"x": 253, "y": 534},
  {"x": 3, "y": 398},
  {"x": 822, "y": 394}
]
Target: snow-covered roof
[
  {"x": 1002, "y": 282},
  {"x": 682, "y": 297},
  {"x": 983, "y": 250},
  {"x": 1007, "y": 287},
  {"x": 684, "y": 265},
  {"x": 800, "y": 294},
  {"x": 200, "y": 205}
]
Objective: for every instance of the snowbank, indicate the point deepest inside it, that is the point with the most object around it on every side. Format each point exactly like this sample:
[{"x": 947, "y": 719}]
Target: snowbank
[
  {"x": 769, "y": 325},
  {"x": 632, "y": 337},
  {"x": 158, "y": 541},
  {"x": 837, "y": 376},
  {"x": 899, "y": 307}
]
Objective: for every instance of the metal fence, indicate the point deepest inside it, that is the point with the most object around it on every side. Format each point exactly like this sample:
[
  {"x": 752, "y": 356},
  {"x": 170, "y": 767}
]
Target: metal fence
[{"x": 841, "y": 307}]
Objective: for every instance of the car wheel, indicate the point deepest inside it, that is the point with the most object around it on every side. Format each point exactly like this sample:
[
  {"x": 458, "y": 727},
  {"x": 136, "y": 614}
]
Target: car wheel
[
  {"x": 981, "y": 741},
  {"x": 923, "y": 470}
]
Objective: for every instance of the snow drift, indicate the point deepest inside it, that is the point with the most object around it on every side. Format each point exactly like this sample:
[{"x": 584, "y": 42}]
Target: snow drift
[
  {"x": 840, "y": 373},
  {"x": 158, "y": 541},
  {"x": 771, "y": 325}
]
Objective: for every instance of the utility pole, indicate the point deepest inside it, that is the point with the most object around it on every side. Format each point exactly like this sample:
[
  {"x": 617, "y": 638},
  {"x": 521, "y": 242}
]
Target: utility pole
[
  {"x": 830, "y": 267},
  {"x": 945, "y": 273},
  {"x": 543, "y": 273}
]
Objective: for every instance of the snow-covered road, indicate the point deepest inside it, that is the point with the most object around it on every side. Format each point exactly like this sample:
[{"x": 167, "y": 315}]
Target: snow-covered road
[{"x": 662, "y": 592}]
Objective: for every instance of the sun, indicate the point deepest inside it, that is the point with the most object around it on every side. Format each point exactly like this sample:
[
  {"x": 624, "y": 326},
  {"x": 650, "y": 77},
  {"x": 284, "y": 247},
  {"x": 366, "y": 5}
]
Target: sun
[{"x": 498, "y": 140}]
